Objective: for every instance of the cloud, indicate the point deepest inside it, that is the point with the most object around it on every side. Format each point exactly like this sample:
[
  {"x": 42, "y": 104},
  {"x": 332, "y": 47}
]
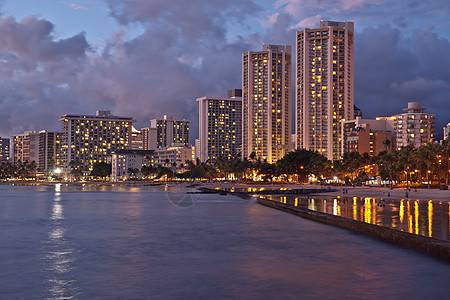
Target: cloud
[
  {"x": 192, "y": 49},
  {"x": 393, "y": 68}
]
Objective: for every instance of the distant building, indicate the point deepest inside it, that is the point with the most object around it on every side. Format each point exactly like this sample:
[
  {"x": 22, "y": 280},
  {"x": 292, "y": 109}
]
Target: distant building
[
  {"x": 220, "y": 126},
  {"x": 170, "y": 132},
  {"x": 87, "y": 139},
  {"x": 136, "y": 139},
  {"x": 357, "y": 113},
  {"x": 149, "y": 138},
  {"x": 174, "y": 158},
  {"x": 47, "y": 151},
  {"x": 25, "y": 147},
  {"x": 324, "y": 86},
  {"x": 366, "y": 136},
  {"x": 124, "y": 160},
  {"x": 414, "y": 127},
  {"x": 447, "y": 131},
  {"x": 4, "y": 149},
  {"x": 266, "y": 103}
]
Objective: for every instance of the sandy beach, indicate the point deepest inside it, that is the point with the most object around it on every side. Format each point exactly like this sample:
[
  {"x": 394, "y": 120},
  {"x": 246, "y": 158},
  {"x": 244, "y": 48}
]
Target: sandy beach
[{"x": 374, "y": 192}]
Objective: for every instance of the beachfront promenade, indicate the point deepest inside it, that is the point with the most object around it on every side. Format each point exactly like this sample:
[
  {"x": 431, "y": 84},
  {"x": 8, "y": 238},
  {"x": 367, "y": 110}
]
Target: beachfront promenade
[{"x": 358, "y": 191}]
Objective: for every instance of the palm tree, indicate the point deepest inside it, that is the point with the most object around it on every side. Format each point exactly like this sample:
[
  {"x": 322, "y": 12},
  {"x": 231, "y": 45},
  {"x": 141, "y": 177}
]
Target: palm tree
[
  {"x": 446, "y": 155},
  {"x": 388, "y": 144}
]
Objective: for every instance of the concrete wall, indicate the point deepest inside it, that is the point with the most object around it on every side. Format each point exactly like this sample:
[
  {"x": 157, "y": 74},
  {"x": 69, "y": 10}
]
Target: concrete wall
[{"x": 437, "y": 248}]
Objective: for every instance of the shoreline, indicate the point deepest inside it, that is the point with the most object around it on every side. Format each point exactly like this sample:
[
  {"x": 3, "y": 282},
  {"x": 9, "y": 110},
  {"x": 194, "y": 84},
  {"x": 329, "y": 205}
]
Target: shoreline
[{"x": 358, "y": 191}]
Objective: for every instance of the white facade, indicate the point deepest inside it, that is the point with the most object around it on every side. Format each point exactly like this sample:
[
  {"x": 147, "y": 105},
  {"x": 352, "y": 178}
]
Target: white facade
[
  {"x": 173, "y": 157},
  {"x": 414, "y": 127},
  {"x": 122, "y": 161},
  {"x": 447, "y": 131},
  {"x": 324, "y": 86}
]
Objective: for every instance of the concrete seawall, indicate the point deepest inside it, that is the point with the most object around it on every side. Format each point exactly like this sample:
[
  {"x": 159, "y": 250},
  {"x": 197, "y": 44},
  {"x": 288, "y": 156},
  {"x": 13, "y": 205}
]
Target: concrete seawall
[{"x": 434, "y": 247}]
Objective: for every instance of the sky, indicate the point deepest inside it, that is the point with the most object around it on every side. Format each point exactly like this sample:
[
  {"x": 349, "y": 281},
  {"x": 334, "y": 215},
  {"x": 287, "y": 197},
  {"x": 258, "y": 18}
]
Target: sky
[{"x": 147, "y": 58}]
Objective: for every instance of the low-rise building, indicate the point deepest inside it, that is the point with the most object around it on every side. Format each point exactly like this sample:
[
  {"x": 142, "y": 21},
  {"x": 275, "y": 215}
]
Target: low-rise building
[
  {"x": 365, "y": 135},
  {"x": 124, "y": 161},
  {"x": 173, "y": 157}
]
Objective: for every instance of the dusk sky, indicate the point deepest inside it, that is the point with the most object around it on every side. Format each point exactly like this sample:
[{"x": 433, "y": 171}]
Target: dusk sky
[{"x": 147, "y": 58}]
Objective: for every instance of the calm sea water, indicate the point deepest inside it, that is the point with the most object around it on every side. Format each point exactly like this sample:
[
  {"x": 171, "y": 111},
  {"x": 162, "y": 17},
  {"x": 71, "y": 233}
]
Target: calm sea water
[{"x": 152, "y": 243}]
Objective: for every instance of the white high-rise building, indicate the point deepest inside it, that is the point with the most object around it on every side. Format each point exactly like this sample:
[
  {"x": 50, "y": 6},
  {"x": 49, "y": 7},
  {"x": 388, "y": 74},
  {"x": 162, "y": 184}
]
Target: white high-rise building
[
  {"x": 220, "y": 127},
  {"x": 87, "y": 139},
  {"x": 324, "y": 86},
  {"x": 266, "y": 102},
  {"x": 413, "y": 127}
]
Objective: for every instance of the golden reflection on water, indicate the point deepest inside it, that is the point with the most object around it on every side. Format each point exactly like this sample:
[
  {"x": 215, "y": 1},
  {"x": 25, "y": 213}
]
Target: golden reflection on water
[
  {"x": 416, "y": 215},
  {"x": 296, "y": 202},
  {"x": 60, "y": 257},
  {"x": 430, "y": 218},
  {"x": 367, "y": 210},
  {"x": 355, "y": 208}
]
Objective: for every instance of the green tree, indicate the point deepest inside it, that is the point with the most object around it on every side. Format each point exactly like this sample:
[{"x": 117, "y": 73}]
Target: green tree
[{"x": 101, "y": 170}]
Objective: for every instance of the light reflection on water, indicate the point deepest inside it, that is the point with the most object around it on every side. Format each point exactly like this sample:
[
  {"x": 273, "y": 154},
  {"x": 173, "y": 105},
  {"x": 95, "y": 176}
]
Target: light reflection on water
[
  {"x": 426, "y": 218},
  {"x": 60, "y": 259}
]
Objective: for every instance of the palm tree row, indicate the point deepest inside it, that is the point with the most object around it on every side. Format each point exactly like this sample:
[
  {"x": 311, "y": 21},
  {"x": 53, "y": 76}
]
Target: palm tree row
[{"x": 20, "y": 170}]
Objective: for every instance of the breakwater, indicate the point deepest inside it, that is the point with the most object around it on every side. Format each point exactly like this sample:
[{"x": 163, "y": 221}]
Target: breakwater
[{"x": 434, "y": 247}]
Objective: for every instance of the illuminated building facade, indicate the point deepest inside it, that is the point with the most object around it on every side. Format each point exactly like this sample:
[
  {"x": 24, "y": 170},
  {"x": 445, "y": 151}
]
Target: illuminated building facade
[
  {"x": 170, "y": 132},
  {"x": 4, "y": 149},
  {"x": 324, "y": 86},
  {"x": 366, "y": 136},
  {"x": 266, "y": 102},
  {"x": 414, "y": 127},
  {"x": 25, "y": 147},
  {"x": 136, "y": 139},
  {"x": 220, "y": 127},
  {"x": 47, "y": 151},
  {"x": 123, "y": 160},
  {"x": 174, "y": 158},
  {"x": 87, "y": 139}
]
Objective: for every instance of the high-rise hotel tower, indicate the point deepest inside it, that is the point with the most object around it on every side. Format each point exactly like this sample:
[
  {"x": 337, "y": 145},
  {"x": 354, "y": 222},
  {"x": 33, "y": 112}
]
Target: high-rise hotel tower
[
  {"x": 266, "y": 102},
  {"x": 324, "y": 86}
]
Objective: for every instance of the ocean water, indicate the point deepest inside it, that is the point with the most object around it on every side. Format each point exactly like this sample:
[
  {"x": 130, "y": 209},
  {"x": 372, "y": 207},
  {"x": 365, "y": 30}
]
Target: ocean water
[{"x": 160, "y": 243}]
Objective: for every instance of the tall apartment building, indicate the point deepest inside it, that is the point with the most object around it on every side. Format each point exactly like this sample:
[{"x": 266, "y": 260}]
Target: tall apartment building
[
  {"x": 4, "y": 149},
  {"x": 47, "y": 151},
  {"x": 25, "y": 147},
  {"x": 170, "y": 132},
  {"x": 266, "y": 102},
  {"x": 414, "y": 127},
  {"x": 220, "y": 126},
  {"x": 90, "y": 139},
  {"x": 324, "y": 86}
]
